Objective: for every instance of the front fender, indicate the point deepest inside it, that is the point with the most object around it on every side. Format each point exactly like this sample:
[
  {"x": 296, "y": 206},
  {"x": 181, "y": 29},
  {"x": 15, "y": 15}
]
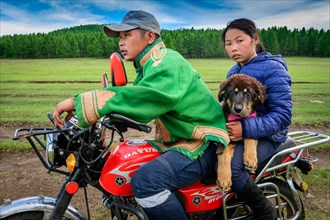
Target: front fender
[{"x": 37, "y": 203}]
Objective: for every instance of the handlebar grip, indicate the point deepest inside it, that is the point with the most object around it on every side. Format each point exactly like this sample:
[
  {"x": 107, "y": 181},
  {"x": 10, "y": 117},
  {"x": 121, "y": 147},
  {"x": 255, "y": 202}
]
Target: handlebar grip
[
  {"x": 131, "y": 123},
  {"x": 50, "y": 117}
]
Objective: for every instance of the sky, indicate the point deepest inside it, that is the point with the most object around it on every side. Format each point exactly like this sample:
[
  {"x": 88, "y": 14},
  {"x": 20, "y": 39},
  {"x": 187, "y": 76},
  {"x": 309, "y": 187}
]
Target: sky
[{"x": 43, "y": 16}]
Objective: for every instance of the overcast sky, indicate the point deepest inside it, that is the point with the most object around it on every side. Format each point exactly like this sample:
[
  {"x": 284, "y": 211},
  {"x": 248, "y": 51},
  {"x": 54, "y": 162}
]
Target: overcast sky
[{"x": 43, "y": 16}]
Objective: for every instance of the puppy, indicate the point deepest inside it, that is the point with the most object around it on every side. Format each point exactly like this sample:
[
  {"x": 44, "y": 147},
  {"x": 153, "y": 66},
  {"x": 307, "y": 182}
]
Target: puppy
[{"x": 239, "y": 94}]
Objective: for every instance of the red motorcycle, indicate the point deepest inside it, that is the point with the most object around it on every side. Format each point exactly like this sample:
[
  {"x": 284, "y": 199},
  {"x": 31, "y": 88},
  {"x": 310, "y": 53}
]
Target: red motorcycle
[{"x": 91, "y": 160}]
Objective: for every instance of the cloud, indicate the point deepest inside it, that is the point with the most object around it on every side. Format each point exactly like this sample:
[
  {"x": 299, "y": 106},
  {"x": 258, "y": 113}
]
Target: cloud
[
  {"x": 292, "y": 14},
  {"x": 43, "y": 16},
  {"x": 317, "y": 18},
  {"x": 15, "y": 20}
]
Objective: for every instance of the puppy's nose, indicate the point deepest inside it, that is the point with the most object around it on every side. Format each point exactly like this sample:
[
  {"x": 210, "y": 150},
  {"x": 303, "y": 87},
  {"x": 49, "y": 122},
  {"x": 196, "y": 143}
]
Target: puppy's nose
[{"x": 238, "y": 108}]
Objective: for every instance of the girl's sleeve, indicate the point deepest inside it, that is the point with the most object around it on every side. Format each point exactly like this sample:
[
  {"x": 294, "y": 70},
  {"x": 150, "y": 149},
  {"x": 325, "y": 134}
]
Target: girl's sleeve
[{"x": 278, "y": 106}]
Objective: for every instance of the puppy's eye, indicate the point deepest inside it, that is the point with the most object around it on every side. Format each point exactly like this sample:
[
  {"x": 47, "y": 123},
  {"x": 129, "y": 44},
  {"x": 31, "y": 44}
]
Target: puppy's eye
[
  {"x": 247, "y": 95},
  {"x": 231, "y": 94}
]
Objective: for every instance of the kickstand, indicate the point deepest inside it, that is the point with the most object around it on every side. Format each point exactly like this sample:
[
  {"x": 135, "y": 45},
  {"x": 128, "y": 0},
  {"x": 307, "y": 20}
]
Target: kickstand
[{"x": 86, "y": 200}]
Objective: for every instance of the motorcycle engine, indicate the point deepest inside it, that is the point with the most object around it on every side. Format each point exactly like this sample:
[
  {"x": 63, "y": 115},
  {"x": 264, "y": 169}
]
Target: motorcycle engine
[{"x": 59, "y": 145}]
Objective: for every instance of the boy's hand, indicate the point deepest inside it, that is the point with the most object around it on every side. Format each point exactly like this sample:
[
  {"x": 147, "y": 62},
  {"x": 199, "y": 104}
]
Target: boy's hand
[{"x": 64, "y": 106}]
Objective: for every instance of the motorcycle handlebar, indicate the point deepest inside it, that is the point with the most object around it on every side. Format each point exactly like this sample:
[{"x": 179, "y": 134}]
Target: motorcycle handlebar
[{"x": 118, "y": 118}]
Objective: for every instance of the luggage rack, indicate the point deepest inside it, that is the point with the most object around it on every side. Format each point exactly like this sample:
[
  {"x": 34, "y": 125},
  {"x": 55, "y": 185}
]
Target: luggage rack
[
  {"x": 305, "y": 137},
  {"x": 303, "y": 140}
]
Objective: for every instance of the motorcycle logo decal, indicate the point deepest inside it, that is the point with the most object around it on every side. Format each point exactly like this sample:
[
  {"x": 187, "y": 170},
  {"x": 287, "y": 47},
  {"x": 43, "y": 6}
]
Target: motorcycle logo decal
[
  {"x": 211, "y": 194},
  {"x": 125, "y": 173},
  {"x": 140, "y": 151},
  {"x": 120, "y": 181},
  {"x": 197, "y": 200}
]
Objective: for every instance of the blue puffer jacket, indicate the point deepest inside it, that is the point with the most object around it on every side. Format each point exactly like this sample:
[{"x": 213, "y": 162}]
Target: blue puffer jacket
[{"x": 274, "y": 116}]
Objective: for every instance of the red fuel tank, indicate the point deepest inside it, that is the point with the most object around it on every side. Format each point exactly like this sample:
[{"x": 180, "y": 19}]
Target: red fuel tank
[{"x": 123, "y": 161}]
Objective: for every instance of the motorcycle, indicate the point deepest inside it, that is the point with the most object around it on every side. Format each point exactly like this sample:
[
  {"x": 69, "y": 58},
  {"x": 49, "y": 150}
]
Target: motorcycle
[{"x": 92, "y": 157}]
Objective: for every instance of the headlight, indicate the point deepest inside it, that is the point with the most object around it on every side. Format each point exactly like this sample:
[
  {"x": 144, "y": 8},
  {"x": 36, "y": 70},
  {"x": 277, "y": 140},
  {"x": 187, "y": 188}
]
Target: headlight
[
  {"x": 51, "y": 148},
  {"x": 55, "y": 145}
]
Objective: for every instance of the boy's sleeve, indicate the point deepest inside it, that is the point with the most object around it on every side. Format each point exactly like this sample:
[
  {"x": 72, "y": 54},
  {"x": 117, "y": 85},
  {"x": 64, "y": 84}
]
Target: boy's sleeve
[{"x": 153, "y": 96}]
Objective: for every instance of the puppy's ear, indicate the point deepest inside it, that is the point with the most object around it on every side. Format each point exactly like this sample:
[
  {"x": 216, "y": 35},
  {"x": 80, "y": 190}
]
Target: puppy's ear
[
  {"x": 222, "y": 92},
  {"x": 221, "y": 95},
  {"x": 261, "y": 93}
]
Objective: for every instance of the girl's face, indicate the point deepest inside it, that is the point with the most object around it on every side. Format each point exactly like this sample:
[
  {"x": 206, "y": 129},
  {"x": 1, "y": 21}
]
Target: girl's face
[
  {"x": 133, "y": 42},
  {"x": 239, "y": 46}
]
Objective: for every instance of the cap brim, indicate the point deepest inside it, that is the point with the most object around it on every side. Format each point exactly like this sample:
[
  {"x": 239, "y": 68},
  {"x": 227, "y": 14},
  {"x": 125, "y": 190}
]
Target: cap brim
[{"x": 114, "y": 29}]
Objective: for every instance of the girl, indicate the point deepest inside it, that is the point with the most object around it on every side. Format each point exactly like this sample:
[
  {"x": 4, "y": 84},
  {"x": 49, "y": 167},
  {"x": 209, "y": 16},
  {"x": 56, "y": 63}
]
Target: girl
[{"x": 270, "y": 127}]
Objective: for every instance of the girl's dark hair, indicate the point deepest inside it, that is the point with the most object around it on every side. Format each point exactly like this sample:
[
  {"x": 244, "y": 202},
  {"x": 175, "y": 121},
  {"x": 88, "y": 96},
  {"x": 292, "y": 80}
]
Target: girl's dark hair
[{"x": 248, "y": 27}]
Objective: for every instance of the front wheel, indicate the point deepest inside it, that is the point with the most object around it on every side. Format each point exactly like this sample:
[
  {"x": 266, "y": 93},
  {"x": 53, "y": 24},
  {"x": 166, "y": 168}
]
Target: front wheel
[
  {"x": 36, "y": 208},
  {"x": 34, "y": 215},
  {"x": 287, "y": 200},
  {"x": 31, "y": 215}
]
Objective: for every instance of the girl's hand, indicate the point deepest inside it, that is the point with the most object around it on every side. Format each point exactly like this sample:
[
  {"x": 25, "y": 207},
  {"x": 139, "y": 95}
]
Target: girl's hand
[
  {"x": 64, "y": 106},
  {"x": 235, "y": 130}
]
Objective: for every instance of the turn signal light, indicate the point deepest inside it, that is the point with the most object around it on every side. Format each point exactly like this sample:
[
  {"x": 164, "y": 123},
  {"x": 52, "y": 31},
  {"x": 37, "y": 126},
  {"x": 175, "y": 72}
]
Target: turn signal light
[{"x": 70, "y": 162}]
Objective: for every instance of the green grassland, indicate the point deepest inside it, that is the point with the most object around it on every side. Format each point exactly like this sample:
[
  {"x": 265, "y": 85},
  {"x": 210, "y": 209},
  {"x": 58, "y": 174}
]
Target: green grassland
[{"x": 30, "y": 88}]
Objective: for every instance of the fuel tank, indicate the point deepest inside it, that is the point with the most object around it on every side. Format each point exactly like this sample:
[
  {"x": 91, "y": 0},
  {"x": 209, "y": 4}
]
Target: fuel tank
[{"x": 123, "y": 161}]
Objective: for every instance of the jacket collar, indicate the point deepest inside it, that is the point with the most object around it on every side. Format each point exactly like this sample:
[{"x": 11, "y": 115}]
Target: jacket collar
[
  {"x": 146, "y": 53},
  {"x": 265, "y": 56}
]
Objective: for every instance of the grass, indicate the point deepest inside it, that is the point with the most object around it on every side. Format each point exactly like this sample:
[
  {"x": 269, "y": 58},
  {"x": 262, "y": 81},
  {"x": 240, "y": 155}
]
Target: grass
[
  {"x": 30, "y": 88},
  {"x": 319, "y": 186},
  {"x": 15, "y": 145}
]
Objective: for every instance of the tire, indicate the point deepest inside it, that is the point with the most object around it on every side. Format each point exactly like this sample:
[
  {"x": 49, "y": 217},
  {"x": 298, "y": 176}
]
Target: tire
[
  {"x": 36, "y": 208},
  {"x": 30, "y": 215},
  {"x": 34, "y": 215},
  {"x": 289, "y": 205}
]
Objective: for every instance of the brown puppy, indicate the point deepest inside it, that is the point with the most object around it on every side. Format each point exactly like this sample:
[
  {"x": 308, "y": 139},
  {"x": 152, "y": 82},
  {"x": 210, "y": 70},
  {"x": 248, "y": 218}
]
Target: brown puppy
[{"x": 239, "y": 94}]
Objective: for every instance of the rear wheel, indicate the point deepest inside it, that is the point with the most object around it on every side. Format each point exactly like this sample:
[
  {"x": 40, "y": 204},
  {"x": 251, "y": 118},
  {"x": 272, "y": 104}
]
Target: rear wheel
[{"x": 288, "y": 202}]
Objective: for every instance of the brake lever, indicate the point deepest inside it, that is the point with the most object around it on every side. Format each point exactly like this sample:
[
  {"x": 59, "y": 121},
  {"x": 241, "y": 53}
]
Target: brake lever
[
  {"x": 106, "y": 124},
  {"x": 51, "y": 118}
]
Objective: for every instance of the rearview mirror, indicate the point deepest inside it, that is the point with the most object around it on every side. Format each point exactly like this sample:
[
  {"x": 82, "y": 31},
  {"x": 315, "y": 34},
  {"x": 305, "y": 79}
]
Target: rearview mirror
[
  {"x": 104, "y": 80},
  {"x": 117, "y": 70}
]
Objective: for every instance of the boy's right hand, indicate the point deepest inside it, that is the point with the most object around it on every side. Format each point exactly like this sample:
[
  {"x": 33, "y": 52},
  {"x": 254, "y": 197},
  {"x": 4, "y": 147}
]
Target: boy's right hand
[{"x": 64, "y": 106}]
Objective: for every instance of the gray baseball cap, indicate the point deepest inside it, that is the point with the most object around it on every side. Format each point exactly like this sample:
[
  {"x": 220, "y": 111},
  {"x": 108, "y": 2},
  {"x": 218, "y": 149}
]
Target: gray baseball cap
[{"x": 133, "y": 20}]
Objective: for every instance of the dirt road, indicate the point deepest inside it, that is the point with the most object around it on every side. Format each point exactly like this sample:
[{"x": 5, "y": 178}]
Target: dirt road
[{"x": 22, "y": 174}]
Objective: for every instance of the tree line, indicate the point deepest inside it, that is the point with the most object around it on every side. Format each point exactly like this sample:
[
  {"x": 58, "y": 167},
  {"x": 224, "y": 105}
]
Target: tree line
[{"x": 90, "y": 41}]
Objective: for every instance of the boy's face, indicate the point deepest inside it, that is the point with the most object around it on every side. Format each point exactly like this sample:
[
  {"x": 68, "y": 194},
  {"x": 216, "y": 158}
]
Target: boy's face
[{"x": 133, "y": 42}]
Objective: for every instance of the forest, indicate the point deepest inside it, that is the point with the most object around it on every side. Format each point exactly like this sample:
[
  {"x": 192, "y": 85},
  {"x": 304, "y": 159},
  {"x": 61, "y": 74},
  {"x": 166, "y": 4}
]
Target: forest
[{"x": 90, "y": 41}]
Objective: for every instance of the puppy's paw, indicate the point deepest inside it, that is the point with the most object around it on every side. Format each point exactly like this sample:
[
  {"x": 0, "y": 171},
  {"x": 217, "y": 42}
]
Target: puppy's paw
[
  {"x": 224, "y": 180},
  {"x": 251, "y": 170},
  {"x": 250, "y": 161}
]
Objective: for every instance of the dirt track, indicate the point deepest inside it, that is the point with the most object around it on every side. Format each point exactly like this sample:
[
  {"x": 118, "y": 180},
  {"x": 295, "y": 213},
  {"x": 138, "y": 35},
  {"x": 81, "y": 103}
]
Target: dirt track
[{"x": 22, "y": 174}]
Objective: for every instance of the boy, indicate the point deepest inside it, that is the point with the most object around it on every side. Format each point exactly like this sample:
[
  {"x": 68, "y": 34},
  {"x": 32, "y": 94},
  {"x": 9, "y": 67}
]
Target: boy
[{"x": 190, "y": 123}]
